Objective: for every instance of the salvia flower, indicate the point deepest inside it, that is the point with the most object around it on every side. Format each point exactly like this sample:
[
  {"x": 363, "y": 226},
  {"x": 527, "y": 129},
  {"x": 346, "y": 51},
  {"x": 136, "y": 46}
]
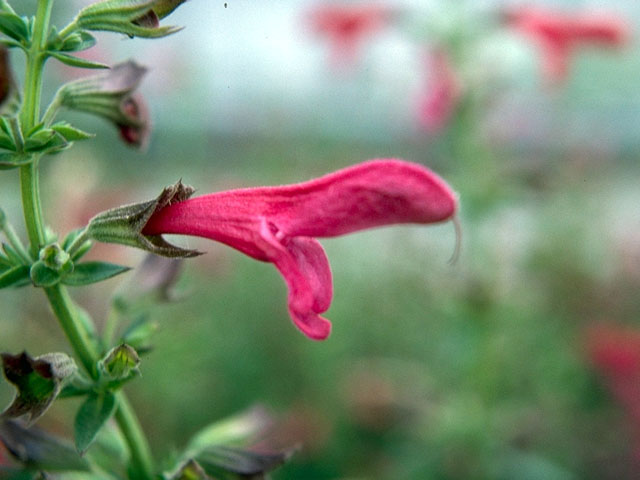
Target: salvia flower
[
  {"x": 279, "y": 224},
  {"x": 111, "y": 95},
  {"x": 559, "y": 34},
  {"x": 437, "y": 105},
  {"x": 346, "y": 26}
]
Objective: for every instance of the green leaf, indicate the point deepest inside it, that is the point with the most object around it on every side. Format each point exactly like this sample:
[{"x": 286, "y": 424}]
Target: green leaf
[
  {"x": 14, "y": 26},
  {"x": 6, "y": 142},
  {"x": 91, "y": 417},
  {"x": 9, "y": 43},
  {"x": 77, "y": 41},
  {"x": 37, "y": 449},
  {"x": 76, "y": 61},
  {"x": 12, "y": 254},
  {"x": 93, "y": 272},
  {"x": 12, "y": 160},
  {"x": 5, "y": 262},
  {"x": 43, "y": 276},
  {"x": 219, "y": 461},
  {"x": 46, "y": 140},
  {"x": 236, "y": 430},
  {"x": 190, "y": 470},
  {"x": 70, "y": 133},
  {"x": 15, "y": 277},
  {"x": 5, "y": 125},
  {"x": 139, "y": 333},
  {"x": 38, "y": 381}
]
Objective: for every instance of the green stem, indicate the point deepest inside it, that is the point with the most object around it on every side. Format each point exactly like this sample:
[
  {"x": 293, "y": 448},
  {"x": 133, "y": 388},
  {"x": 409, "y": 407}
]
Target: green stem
[
  {"x": 65, "y": 311},
  {"x": 68, "y": 29},
  {"x": 36, "y": 58},
  {"x": 52, "y": 109},
  {"x": 29, "y": 116},
  {"x": 61, "y": 303},
  {"x": 133, "y": 434},
  {"x": 31, "y": 207},
  {"x": 78, "y": 242}
]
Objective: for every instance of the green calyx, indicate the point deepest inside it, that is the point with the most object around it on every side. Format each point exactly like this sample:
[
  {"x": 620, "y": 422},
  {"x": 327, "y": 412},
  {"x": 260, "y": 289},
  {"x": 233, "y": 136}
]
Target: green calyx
[
  {"x": 124, "y": 225},
  {"x": 130, "y": 17}
]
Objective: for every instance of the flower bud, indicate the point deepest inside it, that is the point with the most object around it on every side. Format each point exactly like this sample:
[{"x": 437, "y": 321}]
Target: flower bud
[
  {"x": 53, "y": 265},
  {"x": 136, "y": 18},
  {"x": 121, "y": 362},
  {"x": 111, "y": 95},
  {"x": 55, "y": 258},
  {"x": 38, "y": 381}
]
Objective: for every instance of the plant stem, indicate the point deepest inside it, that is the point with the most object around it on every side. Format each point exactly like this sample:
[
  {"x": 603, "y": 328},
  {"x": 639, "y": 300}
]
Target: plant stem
[
  {"x": 36, "y": 57},
  {"x": 85, "y": 350},
  {"x": 133, "y": 434},
  {"x": 28, "y": 116},
  {"x": 65, "y": 311},
  {"x": 29, "y": 189},
  {"x": 61, "y": 303}
]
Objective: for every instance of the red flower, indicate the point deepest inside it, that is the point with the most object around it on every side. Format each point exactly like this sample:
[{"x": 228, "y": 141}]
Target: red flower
[
  {"x": 559, "y": 34},
  {"x": 346, "y": 26},
  {"x": 278, "y": 224},
  {"x": 439, "y": 102},
  {"x": 615, "y": 353}
]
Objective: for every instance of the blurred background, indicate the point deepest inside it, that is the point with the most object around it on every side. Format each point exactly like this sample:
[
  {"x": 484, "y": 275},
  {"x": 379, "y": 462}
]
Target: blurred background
[{"x": 521, "y": 360}]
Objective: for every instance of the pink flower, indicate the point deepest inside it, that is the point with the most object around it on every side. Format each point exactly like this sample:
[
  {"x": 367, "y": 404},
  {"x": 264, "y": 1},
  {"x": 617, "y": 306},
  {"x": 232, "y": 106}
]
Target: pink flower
[
  {"x": 439, "y": 102},
  {"x": 346, "y": 26},
  {"x": 278, "y": 224},
  {"x": 615, "y": 353},
  {"x": 560, "y": 34}
]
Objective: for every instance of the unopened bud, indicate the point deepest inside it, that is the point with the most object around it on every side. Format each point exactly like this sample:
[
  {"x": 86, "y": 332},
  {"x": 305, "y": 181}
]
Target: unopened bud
[
  {"x": 111, "y": 95},
  {"x": 56, "y": 259},
  {"x": 121, "y": 362}
]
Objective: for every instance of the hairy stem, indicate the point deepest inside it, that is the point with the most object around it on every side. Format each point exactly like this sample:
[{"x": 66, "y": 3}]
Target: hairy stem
[{"x": 61, "y": 303}]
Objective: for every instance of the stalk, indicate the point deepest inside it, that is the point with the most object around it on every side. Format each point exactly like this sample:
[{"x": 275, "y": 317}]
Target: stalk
[{"x": 61, "y": 303}]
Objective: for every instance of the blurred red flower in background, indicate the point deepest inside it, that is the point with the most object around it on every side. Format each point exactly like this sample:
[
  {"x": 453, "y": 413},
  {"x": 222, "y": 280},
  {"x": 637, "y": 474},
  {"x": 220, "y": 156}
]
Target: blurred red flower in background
[
  {"x": 346, "y": 26},
  {"x": 559, "y": 34},
  {"x": 614, "y": 351},
  {"x": 438, "y": 103}
]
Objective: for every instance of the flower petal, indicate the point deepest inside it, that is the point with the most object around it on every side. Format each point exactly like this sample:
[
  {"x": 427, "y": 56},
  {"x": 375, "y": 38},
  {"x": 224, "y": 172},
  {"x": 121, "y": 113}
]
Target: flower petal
[
  {"x": 305, "y": 268},
  {"x": 367, "y": 195}
]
